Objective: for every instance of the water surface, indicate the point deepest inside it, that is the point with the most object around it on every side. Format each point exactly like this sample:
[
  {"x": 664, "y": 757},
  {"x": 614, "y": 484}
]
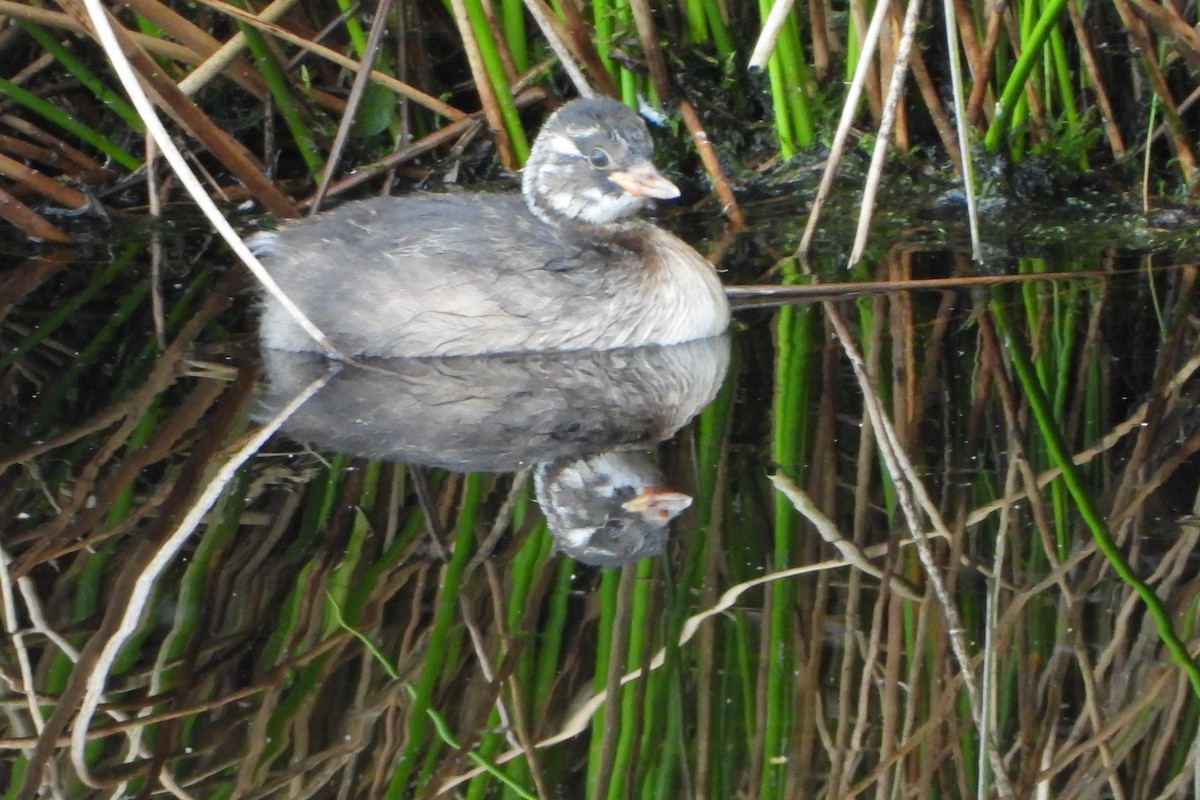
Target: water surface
[{"x": 340, "y": 624}]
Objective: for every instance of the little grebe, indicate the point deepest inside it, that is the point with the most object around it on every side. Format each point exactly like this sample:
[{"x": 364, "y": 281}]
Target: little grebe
[{"x": 569, "y": 268}]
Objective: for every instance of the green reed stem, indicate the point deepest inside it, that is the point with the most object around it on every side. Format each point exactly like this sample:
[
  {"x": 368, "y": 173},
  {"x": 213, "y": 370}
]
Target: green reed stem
[
  {"x": 513, "y": 21},
  {"x": 1015, "y": 86},
  {"x": 339, "y": 620},
  {"x": 439, "y": 646},
  {"x": 1061, "y": 458},
  {"x": 354, "y": 28},
  {"x": 337, "y": 587},
  {"x": 112, "y": 99},
  {"x": 550, "y": 634},
  {"x": 443, "y": 732},
  {"x": 604, "y": 17},
  {"x": 790, "y": 402},
  {"x": 192, "y": 587},
  {"x": 490, "y": 52},
  {"x": 627, "y": 739},
  {"x": 705, "y": 23},
  {"x": 1064, "y": 76},
  {"x": 281, "y": 92},
  {"x": 609, "y": 584},
  {"x": 68, "y": 123},
  {"x": 68, "y": 309}
]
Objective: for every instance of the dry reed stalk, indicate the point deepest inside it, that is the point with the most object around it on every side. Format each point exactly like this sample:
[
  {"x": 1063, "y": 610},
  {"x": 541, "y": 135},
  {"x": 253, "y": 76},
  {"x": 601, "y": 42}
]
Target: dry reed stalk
[
  {"x": 188, "y": 115},
  {"x": 125, "y": 415},
  {"x": 865, "y": 683},
  {"x": 61, "y": 151},
  {"x": 1165, "y": 369},
  {"x": 565, "y": 47},
  {"x": 483, "y": 85},
  {"x": 1108, "y": 115},
  {"x": 706, "y": 656},
  {"x": 979, "y": 112},
  {"x": 936, "y": 111},
  {"x": 496, "y": 32},
  {"x": 849, "y": 106},
  {"x": 61, "y": 21},
  {"x": 884, "y": 133},
  {"x": 822, "y": 51},
  {"x": 1170, "y": 26},
  {"x": 333, "y": 56},
  {"x": 357, "y": 90},
  {"x": 440, "y": 137},
  {"x": 36, "y": 182},
  {"x": 712, "y": 165},
  {"x": 911, "y": 496},
  {"x": 874, "y": 74},
  {"x": 29, "y": 151},
  {"x": 578, "y": 40},
  {"x": 1144, "y": 47},
  {"x": 204, "y": 45},
  {"x": 28, "y": 221},
  {"x": 889, "y": 47}
]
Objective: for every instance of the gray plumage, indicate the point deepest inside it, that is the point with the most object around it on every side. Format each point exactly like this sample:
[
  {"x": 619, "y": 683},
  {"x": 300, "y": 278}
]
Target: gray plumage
[
  {"x": 609, "y": 509},
  {"x": 498, "y": 412},
  {"x": 463, "y": 274}
]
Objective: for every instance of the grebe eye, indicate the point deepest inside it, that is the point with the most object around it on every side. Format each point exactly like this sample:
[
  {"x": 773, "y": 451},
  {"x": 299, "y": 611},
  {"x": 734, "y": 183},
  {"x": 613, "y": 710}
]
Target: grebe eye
[{"x": 598, "y": 158}]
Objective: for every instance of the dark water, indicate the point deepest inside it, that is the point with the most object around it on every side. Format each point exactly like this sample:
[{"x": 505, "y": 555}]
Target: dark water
[{"x": 319, "y": 604}]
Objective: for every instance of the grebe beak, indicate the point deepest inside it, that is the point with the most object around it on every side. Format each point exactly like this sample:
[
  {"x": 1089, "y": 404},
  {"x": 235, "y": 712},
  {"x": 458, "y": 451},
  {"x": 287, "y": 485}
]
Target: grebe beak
[{"x": 643, "y": 180}]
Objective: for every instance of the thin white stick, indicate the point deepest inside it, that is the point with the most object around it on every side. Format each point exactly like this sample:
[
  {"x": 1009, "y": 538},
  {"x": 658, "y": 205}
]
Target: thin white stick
[
  {"x": 140, "y": 594},
  {"x": 215, "y": 64},
  {"x": 909, "y": 488},
  {"x": 828, "y": 530},
  {"x": 879, "y": 155},
  {"x": 845, "y": 124},
  {"x": 770, "y": 34},
  {"x": 964, "y": 133},
  {"x": 154, "y": 126},
  {"x": 537, "y": 10},
  {"x": 579, "y": 720}
]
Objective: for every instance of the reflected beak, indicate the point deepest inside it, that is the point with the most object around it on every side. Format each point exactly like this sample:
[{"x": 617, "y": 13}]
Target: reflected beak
[
  {"x": 657, "y": 504},
  {"x": 644, "y": 180}
]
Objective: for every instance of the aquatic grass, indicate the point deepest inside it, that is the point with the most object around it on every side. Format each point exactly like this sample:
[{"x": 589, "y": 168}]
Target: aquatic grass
[
  {"x": 65, "y": 313},
  {"x": 638, "y": 699},
  {"x": 792, "y": 389},
  {"x": 72, "y": 125},
  {"x": 337, "y": 586},
  {"x": 439, "y": 643},
  {"x": 608, "y": 18},
  {"x": 925, "y": 734},
  {"x": 1053, "y": 313},
  {"x": 537, "y": 656},
  {"x": 787, "y": 75},
  {"x": 296, "y": 606},
  {"x": 512, "y": 15},
  {"x": 1085, "y": 505},
  {"x": 443, "y": 732},
  {"x": 492, "y": 80},
  {"x": 695, "y": 580},
  {"x": 109, "y": 97},
  {"x": 706, "y": 22},
  {"x": 608, "y": 645},
  {"x": 931, "y": 739},
  {"x": 57, "y": 395},
  {"x": 281, "y": 92}
]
